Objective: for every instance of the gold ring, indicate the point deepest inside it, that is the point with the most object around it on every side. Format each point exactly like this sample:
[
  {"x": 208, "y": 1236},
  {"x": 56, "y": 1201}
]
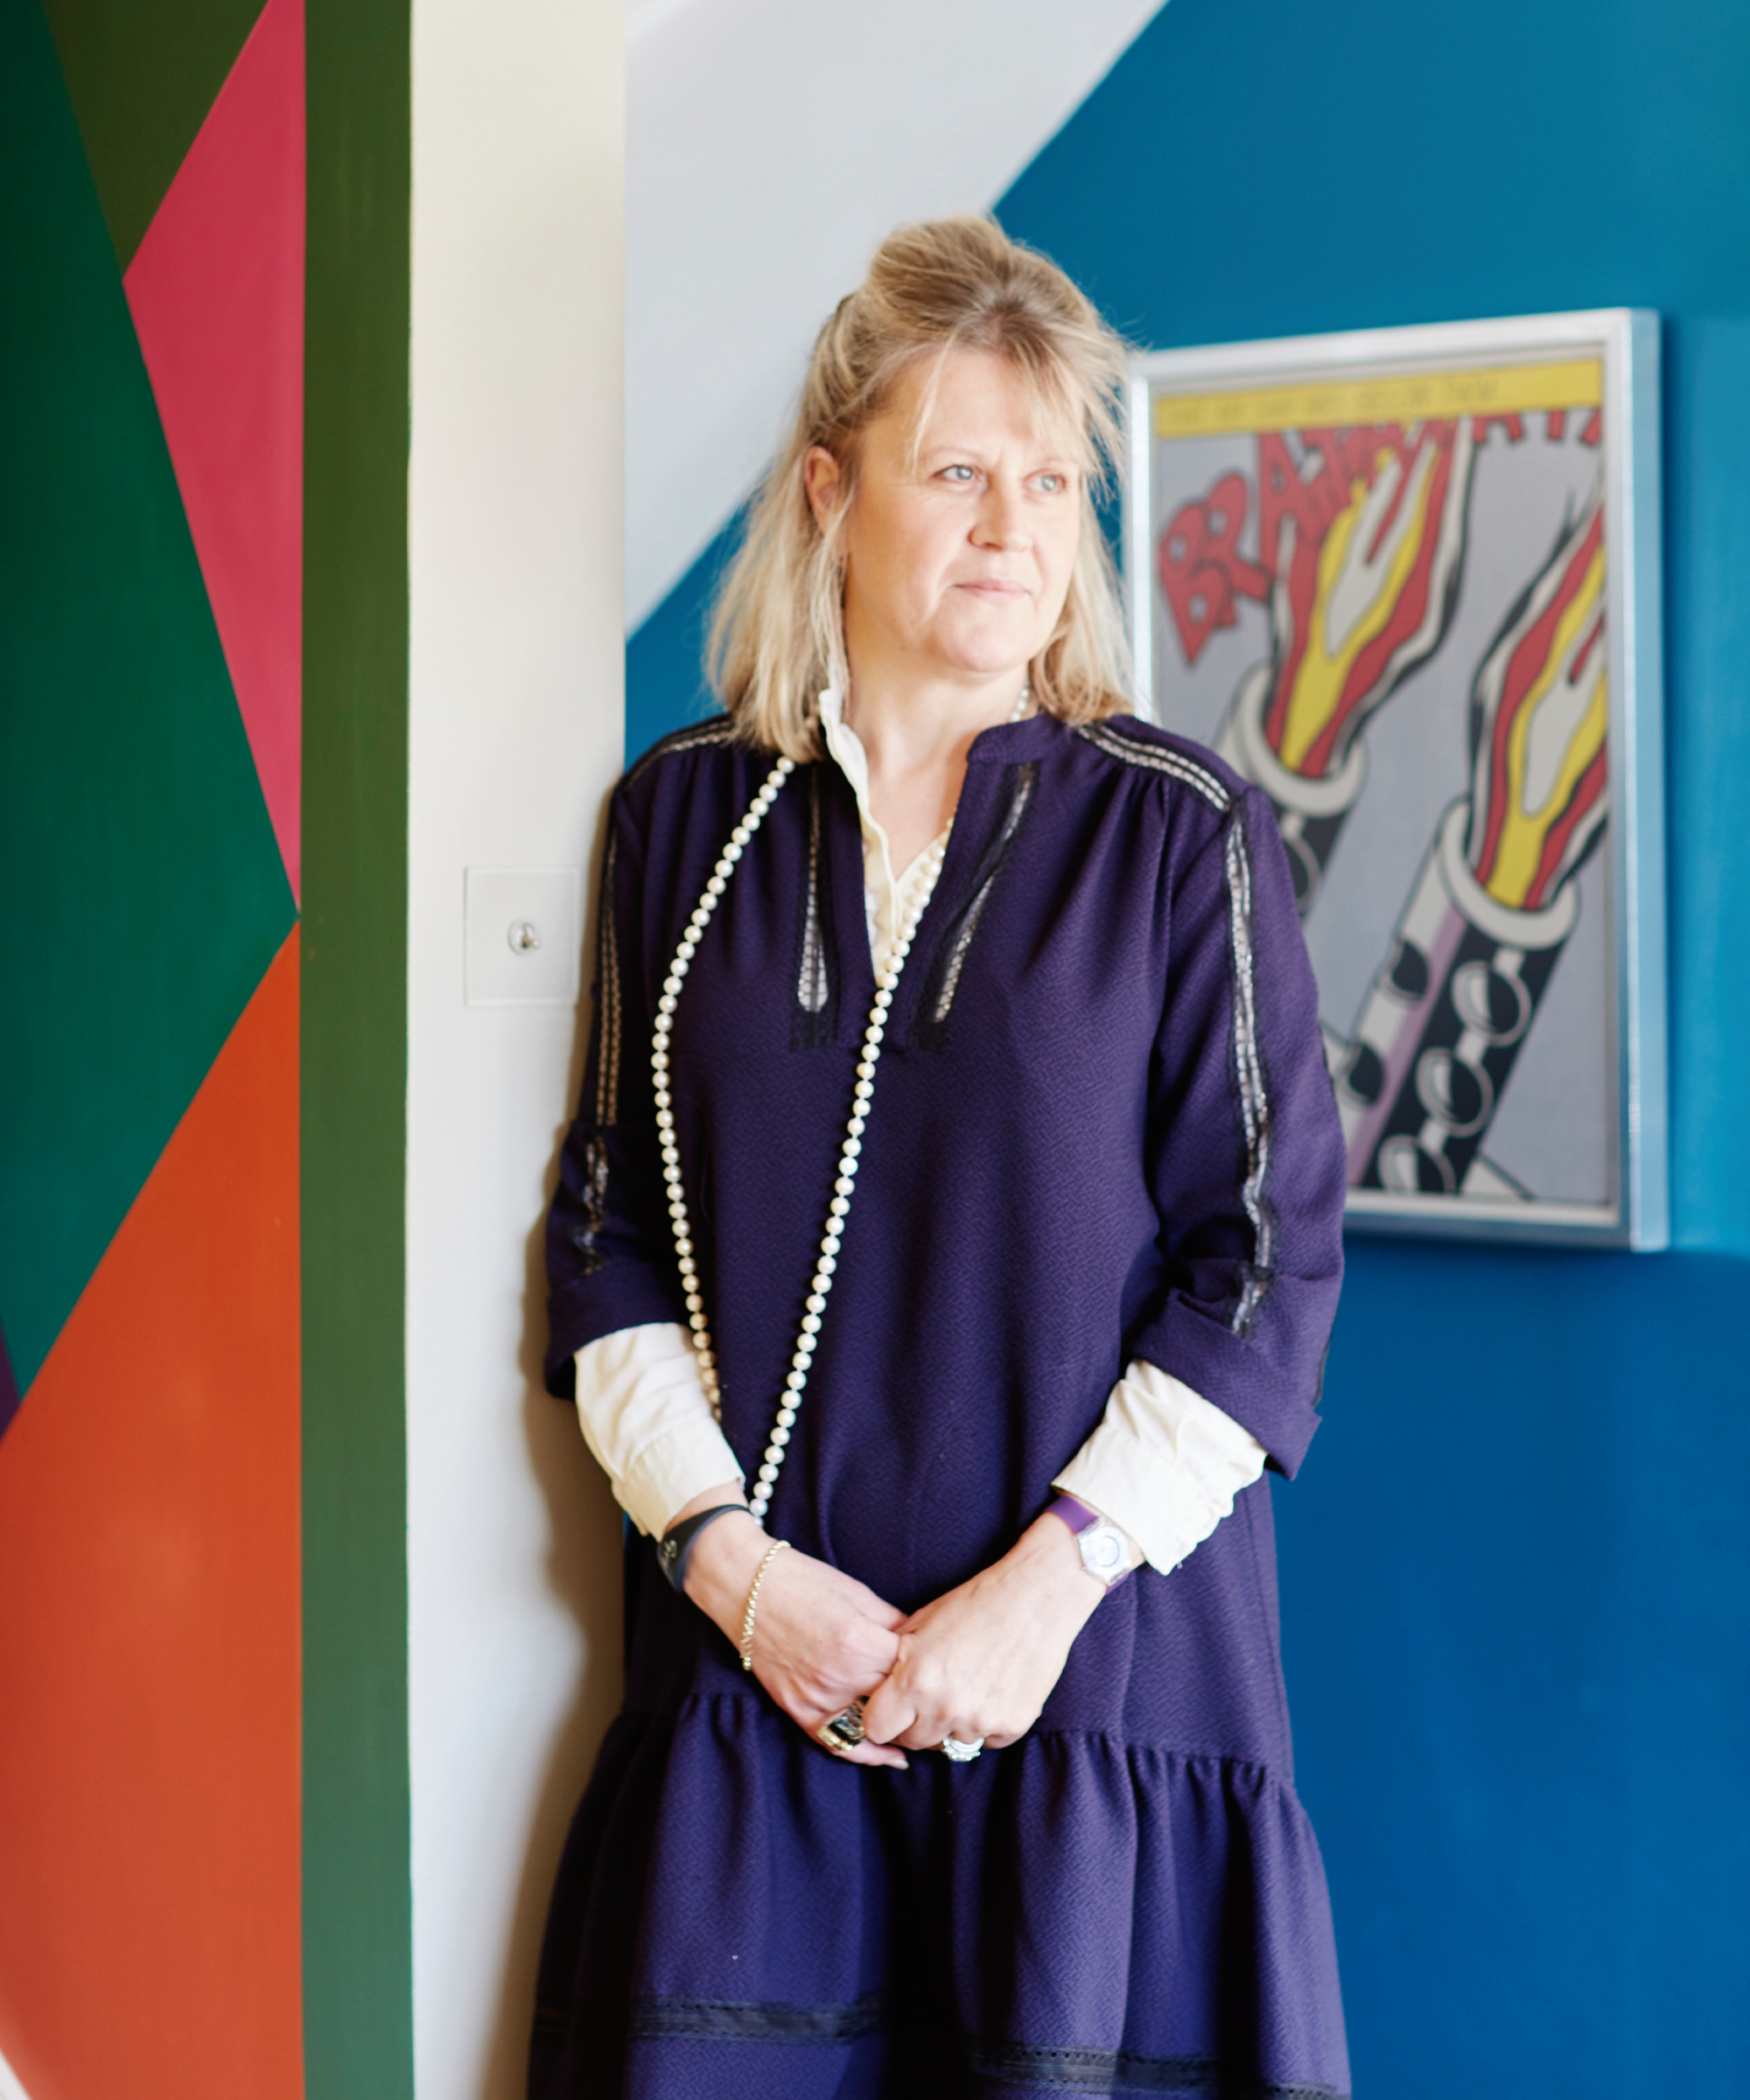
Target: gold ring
[{"x": 844, "y": 1731}]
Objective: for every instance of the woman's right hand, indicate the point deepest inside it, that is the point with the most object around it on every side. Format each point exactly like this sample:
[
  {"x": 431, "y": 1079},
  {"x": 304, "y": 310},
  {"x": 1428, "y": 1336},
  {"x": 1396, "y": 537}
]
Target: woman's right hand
[{"x": 821, "y": 1638}]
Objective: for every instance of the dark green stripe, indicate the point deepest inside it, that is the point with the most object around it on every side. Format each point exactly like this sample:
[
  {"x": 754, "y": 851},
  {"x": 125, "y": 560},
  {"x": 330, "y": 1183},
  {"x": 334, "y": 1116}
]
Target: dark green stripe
[{"x": 357, "y": 1923}]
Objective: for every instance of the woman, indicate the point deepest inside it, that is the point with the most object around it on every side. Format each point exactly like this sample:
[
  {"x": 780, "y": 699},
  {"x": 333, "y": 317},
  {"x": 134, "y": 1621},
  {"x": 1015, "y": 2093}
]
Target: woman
[{"x": 949, "y": 1236}]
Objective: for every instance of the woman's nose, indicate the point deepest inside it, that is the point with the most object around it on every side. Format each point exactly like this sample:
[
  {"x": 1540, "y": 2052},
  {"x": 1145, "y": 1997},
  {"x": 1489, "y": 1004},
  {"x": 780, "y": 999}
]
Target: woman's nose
[{"x": 1002, "y": 520}]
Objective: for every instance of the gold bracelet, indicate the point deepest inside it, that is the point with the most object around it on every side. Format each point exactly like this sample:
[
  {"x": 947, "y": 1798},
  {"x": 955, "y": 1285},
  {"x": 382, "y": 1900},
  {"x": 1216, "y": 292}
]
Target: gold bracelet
[{"x": 776, "y": 1547}]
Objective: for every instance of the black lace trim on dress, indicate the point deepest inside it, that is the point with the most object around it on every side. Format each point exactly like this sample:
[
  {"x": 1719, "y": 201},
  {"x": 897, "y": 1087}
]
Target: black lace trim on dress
[
  {"x": 1246, "y": 1073},
  {"x": 1249, "y": 1081},
  {"x": 814, "y": 1018},
  {"x": 754, "y": 2019},
  {"x": 718, "y": 729},
  {"x": 1031, "y": 2067},
  {"x": 948, "y": 958},
  {"x": 611, "y": 1006},
  {"x": 607, "y": 978},
  {"x": 1155, "y": 758},
  {"x": 1026, "y": 2067},
  {"x": 592, "y": 1195},
  {"x": 592, "y": 1191}
]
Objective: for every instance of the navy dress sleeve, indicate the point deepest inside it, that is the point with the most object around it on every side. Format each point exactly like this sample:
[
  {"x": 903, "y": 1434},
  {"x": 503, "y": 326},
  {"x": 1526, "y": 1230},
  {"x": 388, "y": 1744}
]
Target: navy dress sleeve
[
  {"x": 610, "y": 1249},
  {"x": 1245, "y": 1151}
]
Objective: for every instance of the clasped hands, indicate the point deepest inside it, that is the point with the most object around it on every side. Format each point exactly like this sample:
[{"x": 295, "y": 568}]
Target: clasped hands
[{"x": 979, "y": 1660}]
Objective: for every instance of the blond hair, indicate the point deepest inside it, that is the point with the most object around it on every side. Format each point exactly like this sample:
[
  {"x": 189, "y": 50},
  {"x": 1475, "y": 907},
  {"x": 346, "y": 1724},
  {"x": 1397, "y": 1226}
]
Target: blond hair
[{"x": 777, "y": 634}]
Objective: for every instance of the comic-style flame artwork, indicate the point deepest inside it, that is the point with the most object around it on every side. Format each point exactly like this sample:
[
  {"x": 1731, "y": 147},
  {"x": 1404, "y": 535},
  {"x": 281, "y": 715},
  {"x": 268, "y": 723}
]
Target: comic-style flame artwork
[
  {"x": 1539, "y": 715},
  {"x": 1360, "y": 542},
  {"x": 1351, "y": 562},
  {"x": 1363, "y": 534},
  {"x": 1200, "y": 567},
  {"x": 1445, "y": 1019}
]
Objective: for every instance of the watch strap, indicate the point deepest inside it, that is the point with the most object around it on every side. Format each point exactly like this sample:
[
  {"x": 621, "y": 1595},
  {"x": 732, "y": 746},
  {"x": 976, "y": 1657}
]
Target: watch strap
[
  {"x": 674, "y": 1548},
  {"x": 1082, "y": 1522},
  {"x": 1076, "y": 1515}
]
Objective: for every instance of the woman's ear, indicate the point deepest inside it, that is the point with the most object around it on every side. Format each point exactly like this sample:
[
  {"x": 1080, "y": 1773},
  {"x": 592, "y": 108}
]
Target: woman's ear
[{"x": 823, "y": 478}]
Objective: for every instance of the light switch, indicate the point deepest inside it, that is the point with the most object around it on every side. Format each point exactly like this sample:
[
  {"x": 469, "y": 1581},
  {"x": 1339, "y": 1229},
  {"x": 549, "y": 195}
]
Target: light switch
[{"x": 523, "y": 929}]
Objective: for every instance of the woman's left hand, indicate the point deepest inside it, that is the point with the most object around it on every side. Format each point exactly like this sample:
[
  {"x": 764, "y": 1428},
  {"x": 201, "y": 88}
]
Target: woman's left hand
[{"x": 982, "y": 1660}]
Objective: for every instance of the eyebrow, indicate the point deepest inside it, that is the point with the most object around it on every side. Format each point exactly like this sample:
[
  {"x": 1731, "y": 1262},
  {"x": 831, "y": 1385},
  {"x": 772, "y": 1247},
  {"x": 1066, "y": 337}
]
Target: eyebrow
[{"x": 933, "y": 447}]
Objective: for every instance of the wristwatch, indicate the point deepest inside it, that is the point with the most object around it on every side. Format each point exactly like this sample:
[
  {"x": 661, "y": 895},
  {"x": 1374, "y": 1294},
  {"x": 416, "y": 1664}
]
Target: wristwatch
[
  {"x": 674, "y": 1548},
  {"x": 1105, "y": 1551}
]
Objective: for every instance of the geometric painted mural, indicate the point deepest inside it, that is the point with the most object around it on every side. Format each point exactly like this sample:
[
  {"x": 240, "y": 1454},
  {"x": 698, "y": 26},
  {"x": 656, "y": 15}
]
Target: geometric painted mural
[
  {"x": 151, "y": 327},
  {"x": 216, "y": 290},
  {"x": 145, "y": 892},
  {"x": 148, "y": 1631}
]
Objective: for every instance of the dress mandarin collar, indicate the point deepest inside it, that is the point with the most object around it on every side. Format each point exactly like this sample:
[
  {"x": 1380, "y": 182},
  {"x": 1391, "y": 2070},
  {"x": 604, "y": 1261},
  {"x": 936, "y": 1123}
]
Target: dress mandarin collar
[{"x": 1002, "y": 744}]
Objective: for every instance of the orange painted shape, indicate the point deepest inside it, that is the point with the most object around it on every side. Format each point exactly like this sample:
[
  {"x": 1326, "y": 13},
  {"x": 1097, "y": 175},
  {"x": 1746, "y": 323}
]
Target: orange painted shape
[{"x": 150, "y": 1627}]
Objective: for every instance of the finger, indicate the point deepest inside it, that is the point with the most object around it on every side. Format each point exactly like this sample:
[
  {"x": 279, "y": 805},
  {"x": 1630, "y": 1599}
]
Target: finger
[
  {"x": 865, "y": 1753},
  {"x": 874, "y": 1753},
  {"x": 853, "y": 1673},
  {"x": 889, "y": 1713},
  {"x": 887, "y": 1616},
  {"x": 932, "y": 1725}
]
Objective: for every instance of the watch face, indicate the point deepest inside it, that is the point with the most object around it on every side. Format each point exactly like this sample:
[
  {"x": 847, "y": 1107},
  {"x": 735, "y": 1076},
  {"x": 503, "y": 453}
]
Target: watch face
[{"x": 1102, "y": 1550}]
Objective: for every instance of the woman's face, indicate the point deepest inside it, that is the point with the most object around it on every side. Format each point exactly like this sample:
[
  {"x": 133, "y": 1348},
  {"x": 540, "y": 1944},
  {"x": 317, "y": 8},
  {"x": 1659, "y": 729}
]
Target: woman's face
[{"x": 957, "y": 550}]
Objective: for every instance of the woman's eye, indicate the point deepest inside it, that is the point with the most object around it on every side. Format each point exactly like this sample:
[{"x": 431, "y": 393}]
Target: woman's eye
[
  {"x": 1053, "y": 484},
  {"x": 957, "y": 474}
]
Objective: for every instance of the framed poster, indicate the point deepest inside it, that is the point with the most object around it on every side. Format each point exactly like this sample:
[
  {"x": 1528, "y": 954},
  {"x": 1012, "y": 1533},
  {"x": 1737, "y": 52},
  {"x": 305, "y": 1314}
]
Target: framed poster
[{"x": 1407, "y": 581}]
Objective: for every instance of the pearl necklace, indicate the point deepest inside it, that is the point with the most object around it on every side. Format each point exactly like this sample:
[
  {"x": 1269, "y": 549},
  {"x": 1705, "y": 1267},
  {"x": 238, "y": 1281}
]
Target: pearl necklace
[{"x": 850, "y": 1152}]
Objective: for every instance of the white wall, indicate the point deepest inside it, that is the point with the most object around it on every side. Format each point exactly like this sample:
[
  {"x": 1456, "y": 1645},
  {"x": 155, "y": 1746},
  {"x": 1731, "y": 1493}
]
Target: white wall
[
  {"x": 770, "y": 144},
  {"x": 516, "y": 734}
]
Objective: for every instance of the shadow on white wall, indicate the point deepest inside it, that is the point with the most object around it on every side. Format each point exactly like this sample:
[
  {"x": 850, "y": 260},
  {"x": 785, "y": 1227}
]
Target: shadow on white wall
[{"x": 770, "y": 144}]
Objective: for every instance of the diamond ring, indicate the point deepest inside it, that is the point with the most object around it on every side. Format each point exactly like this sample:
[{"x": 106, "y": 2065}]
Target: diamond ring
[{"x": 960, "y": 1753}]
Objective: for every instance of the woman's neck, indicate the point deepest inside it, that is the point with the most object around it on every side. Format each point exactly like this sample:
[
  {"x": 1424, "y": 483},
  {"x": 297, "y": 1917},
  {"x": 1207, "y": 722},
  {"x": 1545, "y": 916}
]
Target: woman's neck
[{"x": 917, "y": 738}]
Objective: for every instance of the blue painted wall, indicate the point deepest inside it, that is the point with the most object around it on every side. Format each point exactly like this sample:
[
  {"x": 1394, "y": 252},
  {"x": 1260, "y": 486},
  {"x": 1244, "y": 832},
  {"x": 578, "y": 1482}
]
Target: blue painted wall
[
  {"x": 1517, "y": 1575},
  {"x": 665, "y": 679}
]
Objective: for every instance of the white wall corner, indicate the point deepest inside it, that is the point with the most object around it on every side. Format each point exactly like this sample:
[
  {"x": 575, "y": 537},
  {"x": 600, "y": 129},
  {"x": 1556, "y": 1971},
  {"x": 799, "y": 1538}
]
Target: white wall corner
[{"x": 514, "y": 523}]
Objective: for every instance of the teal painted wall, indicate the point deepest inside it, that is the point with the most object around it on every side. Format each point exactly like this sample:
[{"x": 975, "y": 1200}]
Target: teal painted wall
[
  {"x": 1516, "y": 1579},
  {"x": 1483, "y": 159},
  {"x": 1517, "y": 1594}
]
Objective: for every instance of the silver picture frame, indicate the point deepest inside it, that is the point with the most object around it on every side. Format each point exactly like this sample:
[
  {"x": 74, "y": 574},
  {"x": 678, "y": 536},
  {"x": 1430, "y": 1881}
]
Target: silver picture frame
[{"x": 1407, "y": 580}]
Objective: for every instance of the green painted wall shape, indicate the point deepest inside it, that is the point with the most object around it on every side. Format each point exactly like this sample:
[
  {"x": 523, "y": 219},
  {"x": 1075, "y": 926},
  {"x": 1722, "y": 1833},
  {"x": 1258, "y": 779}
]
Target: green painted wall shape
[
  {"x": 358, "y": 1951},
  {"x": 144, "y": 895},
  {"x": 143, "y": 74}
]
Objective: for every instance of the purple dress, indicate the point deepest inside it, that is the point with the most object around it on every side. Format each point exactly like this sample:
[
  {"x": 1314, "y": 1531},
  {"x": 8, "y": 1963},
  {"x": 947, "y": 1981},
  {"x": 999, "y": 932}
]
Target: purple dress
[{"x": 1102, "y": 1128}]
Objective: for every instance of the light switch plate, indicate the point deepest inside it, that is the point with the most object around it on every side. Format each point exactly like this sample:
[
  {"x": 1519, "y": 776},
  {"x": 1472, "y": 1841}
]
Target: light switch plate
[{"x": 523, "y": 929}]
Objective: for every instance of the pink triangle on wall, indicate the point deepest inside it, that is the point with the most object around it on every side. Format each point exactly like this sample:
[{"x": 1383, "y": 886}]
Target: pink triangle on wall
[{"x": 216, "y": 288}]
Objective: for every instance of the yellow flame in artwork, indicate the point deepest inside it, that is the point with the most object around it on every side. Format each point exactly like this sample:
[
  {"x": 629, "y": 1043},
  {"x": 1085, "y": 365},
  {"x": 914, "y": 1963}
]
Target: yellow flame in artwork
[
  {"x": 1356, "y": 596},
  {"x": 1556, "y": 733}
]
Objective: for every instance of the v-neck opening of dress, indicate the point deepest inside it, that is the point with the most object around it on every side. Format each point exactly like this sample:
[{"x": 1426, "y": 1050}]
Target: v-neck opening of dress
[{"x": 888, "y": 898}]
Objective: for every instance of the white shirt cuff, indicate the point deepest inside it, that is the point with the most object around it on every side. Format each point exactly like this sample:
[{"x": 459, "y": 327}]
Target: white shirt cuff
[
  {"x": 647, "y": 1421},
  {"x": 1165, "y": 1464}
]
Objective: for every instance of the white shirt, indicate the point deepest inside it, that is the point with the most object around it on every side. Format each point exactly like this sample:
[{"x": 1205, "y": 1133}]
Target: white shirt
[{"x": 1164, "y": 1464}]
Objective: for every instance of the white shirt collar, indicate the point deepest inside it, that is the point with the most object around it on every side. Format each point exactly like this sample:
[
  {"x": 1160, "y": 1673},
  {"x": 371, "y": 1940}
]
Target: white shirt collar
[{"x": 844, "y": 746}]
